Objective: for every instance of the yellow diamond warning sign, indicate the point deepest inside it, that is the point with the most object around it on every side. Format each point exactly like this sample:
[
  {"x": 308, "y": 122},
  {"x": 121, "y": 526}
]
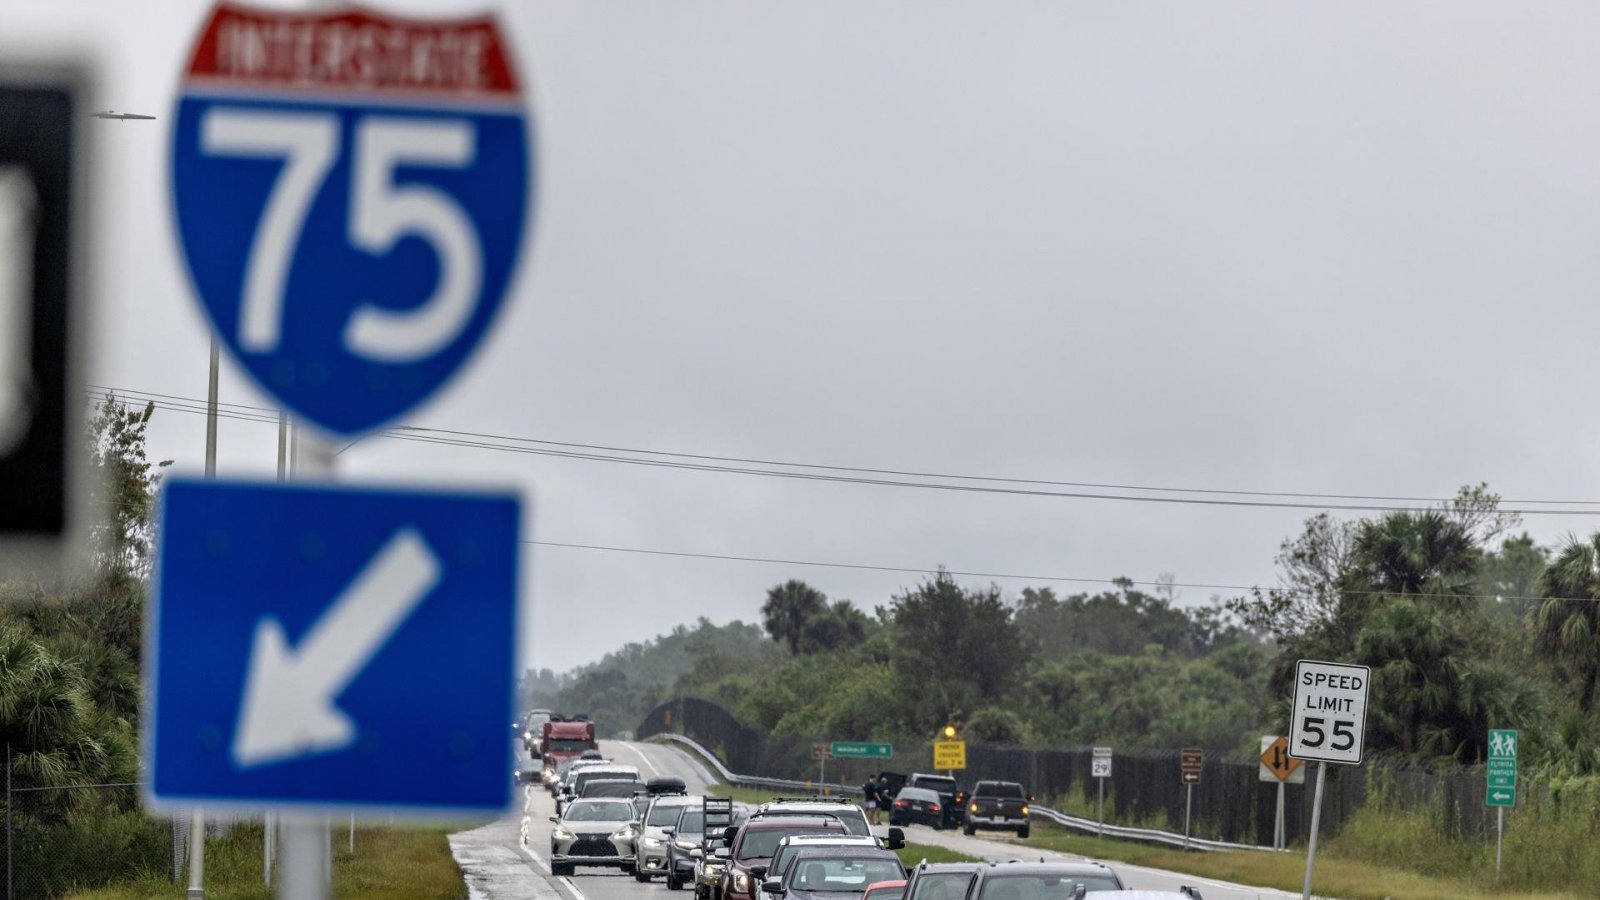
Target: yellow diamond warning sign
[{"x": 1276, "y": 763}]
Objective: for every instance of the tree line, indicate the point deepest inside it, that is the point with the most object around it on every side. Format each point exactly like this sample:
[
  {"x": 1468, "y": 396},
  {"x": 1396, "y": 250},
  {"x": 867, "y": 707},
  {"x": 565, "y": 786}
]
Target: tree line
[{"x": 1466, "y": 625}]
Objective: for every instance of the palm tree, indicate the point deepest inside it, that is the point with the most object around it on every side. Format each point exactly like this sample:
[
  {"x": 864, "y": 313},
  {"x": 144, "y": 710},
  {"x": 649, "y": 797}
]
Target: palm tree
[
  {"x": 1416, "y": 553},
  {"x": 788, "y": 608},
  {"x": 1566, "y": 623}
]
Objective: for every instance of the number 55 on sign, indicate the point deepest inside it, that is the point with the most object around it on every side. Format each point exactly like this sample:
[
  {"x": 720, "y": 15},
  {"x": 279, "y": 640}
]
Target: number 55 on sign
[{"x": 1330, "y": 711}]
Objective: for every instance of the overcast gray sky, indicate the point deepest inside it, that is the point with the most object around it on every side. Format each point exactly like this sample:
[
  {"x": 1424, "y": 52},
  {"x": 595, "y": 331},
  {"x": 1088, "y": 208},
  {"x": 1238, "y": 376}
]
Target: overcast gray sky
[{"x": 1283, "y": 247}]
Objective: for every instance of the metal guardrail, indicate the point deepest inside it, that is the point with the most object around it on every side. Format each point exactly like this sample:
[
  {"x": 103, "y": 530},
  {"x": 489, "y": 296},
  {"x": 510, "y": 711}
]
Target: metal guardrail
[
  {"x": 1060, "y": 818},
  {"x": 1142, "y": 834},
  {"x": 734, "y": 778}
]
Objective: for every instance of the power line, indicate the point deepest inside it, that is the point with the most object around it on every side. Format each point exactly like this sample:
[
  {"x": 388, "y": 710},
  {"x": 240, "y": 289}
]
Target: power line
[
  {"x": 710, "y": 464},
  {"x": 863, "y": 469},
  {"x": 1011, "y": 576}
]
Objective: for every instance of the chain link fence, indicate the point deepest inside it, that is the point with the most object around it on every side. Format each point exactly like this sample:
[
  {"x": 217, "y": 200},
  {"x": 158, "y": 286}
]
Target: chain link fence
[
  {"x": 63, "y": 838},
  {"x": 1231, "y": 803}
]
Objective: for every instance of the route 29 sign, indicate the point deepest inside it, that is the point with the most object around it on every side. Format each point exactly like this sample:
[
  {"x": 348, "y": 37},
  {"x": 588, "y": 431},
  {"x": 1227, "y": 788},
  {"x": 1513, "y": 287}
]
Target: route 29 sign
[
  {"x": 350, "y": 192},
  {"x": 1330, "y": 711}
]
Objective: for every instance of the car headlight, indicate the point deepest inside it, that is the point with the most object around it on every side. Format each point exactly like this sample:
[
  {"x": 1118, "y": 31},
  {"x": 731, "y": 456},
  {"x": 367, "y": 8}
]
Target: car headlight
[
  {"x": 623, "y": 834},
  {"x": 652, "y": 842},
  {"x": 1026, "y": 811},
  {"x": 741, "y": 881},
  {"x": 684, "y": 845}
]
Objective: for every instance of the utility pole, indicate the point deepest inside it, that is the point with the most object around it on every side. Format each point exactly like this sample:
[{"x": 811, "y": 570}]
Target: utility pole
[{"x": 197, "y": 819}]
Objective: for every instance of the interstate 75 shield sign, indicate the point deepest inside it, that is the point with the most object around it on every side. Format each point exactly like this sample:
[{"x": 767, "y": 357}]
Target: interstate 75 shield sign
[{"x": 350, "y": 191}]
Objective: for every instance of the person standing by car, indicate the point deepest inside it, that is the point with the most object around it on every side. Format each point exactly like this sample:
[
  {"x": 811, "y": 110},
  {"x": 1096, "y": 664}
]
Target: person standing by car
[{"x": 869, "y": 793}]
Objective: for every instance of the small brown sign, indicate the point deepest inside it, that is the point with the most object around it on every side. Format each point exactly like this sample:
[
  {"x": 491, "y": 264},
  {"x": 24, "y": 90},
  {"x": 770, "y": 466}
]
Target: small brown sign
[
  {"x": 821, "y": 751},
  {"x": 1190, "y": 765}
]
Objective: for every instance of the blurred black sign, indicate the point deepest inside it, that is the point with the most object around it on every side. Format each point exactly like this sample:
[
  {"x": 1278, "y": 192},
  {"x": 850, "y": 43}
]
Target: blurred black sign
[{"x": 37, "y": 124}]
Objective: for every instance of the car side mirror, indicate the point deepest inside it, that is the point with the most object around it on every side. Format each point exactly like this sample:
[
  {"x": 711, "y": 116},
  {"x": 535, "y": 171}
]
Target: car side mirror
[
  {"x": 758, "y": 871},
  {"x": 897, "y": 838},
  {"x": 728, "y": 833},
  {"x": 556, "y": 819},
  {"x": 773, "y": 886},
  {"x": 669, "y": 831},
  {"x": 697, "y": 853},
  {"x": 722, "y": 853},
  {"x": 1079, "y": 890}
]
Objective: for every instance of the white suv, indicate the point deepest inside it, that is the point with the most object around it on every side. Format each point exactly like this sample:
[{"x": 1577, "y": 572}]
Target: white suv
[{"x": 854, "y": 820}]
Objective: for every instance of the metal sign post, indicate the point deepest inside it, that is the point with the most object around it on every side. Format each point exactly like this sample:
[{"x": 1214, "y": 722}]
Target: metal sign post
[
  {"x": 1328, "y": 725},
  {"x": 1279, "y": 768},
  {"x": 1100, "y": 768},
  {"x": 1190, "y": 763},
  {"x": 1501, "y": 788},
  {"x": 1278, "y": 836}
]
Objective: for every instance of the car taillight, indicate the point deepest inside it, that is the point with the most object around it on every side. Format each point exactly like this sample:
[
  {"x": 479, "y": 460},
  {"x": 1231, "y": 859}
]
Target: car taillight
[
  {"x": 901, "y": 804},
  {"x": 933, "y": 807}
]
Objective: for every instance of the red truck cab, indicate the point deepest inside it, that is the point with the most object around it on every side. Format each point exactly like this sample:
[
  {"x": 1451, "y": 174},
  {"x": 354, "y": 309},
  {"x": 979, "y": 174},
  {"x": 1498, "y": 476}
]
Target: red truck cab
[{"x": 565, "y": 740}]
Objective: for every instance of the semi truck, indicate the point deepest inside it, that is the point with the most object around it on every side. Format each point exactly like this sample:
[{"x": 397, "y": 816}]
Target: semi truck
[{"x": 564, "y": 741}]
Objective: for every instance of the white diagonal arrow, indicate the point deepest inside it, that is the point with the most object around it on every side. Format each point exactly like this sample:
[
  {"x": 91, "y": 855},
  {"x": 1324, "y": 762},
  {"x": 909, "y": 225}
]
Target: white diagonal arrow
[{"x": 288, "y": 709}]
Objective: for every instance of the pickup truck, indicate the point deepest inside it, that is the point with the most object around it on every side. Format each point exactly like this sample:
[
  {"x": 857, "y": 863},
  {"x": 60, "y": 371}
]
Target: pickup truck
[{"x": 999, "y": 805}]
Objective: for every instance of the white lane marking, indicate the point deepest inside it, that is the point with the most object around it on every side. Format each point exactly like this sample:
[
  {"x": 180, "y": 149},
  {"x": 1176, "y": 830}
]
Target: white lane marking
[
  {"x": 564, "y": 881},
  {"x": 639, "y": 752}
]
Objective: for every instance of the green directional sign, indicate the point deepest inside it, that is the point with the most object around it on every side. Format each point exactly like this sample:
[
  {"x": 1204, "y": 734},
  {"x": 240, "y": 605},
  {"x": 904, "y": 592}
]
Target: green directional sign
[
  {"x": 1501, "y": 789},
  {"x": 854, "y": 750}
]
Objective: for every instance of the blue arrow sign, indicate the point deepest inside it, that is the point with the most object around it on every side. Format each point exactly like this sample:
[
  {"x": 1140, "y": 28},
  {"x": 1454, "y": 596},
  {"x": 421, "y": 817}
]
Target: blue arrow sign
[
  {"x": 314, "y": 647},
  {"x": 350, "y": 193}
]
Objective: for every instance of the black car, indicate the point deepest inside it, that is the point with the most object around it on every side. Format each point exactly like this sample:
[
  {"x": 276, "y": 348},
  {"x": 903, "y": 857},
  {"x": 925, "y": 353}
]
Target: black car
[
  {"x": 951, "y": 797},
  {"x": 1041, "y": 880},
  {"x": 917, "y": 806},
  {"x": 835, "y": 873}
]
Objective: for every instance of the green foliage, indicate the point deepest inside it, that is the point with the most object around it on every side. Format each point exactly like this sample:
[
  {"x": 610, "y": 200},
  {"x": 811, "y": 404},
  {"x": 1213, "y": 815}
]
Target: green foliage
[
  {"x": 959, "y": 647},
  {"x": 789, "y": 607},
  {"x": 126, "y": 485},
  {"x": 619, "y": 689}
]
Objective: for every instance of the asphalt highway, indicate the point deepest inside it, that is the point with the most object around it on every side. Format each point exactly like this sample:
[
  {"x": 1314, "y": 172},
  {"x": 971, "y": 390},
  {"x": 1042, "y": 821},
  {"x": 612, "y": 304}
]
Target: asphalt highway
[{"x": 509, "y": 859}]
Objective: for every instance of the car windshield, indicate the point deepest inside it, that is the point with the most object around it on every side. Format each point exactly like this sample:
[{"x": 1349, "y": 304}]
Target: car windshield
[
  {"x": 1009, "y": 791},
  {"x": 1043, "y": 887},
  {"x": 937, "y": 784},
  {"x": 693, "y": 822},
  {"x": 762, "y": 843},
  {"x": 941, "y": 886},
  {"x": 599, "y": 811},
  {"x": 565, "y": 746},
  {"x": 664, "y": 815},
  {"x": 842, "y": 874}
]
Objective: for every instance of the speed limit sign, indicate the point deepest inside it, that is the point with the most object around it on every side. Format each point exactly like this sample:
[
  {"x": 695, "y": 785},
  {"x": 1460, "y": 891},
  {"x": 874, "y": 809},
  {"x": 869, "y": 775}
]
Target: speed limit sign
[{"x": 1330, "y": 711}]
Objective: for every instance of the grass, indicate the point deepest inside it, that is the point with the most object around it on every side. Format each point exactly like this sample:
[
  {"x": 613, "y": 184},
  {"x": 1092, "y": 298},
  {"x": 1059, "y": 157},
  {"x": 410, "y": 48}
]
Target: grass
[
  {"x": 389, "y": 864},
  {"x": 911, "y": 854},
  {"x": 1336, "y": 874}
]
